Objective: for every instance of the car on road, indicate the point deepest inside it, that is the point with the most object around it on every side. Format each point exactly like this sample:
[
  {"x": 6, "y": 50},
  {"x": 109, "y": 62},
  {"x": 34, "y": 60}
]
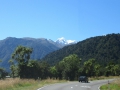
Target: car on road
[{"x": 83, "y": 78}]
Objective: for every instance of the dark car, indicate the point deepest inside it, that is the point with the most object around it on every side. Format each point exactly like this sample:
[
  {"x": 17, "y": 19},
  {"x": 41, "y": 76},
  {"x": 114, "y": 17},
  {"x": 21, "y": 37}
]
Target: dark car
[{"x": 83, "y": 78}]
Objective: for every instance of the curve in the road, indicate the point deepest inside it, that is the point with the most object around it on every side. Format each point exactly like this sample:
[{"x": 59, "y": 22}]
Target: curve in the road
[{"x": 92, "y": 85}]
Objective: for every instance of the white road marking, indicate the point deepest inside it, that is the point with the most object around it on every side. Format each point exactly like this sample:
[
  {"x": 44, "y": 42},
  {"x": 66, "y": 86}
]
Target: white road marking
[
  {"x": 39, "y": 88},
  {"x": 86, "y": 86},
  {"x": 71, "y": 87},
  {"x": 76, "y": 85},
  {"x": 99, "y": 88}
]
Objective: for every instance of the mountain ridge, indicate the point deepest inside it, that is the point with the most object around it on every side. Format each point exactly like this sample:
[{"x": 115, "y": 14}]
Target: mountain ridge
[
  {"x": 102, "y": 48},
  {"x": 41, "y": 47}
]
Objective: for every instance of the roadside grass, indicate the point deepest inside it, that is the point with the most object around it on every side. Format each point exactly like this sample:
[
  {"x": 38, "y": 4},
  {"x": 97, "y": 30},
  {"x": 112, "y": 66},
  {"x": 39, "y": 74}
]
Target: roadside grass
[
  {"x": 115, "y": 85},
  {"x": 102, "y": 78},
  {"x": 26, "y": 84},
  {"x": 30, "y": 84}
]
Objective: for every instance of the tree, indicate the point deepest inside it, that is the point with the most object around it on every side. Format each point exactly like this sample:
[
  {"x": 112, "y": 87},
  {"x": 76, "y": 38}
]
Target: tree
[
  {"x": 116, "y": 69},
  {"x": 2, "y": 72},
  {"x": 60, "y": 68},
  {"x": 33, "y": 69},
  {"x": 13, "y": 68},
  {"x": 22, "y": 56},
  {"x": 43, "y": 70},
  {"x": 53, "y": 72},
  {"x": 112, "y": 69},
  {"x": 97, "y": 69},
  {"x": 89, "y": 67},
  {"x": 71, "y": 66}
]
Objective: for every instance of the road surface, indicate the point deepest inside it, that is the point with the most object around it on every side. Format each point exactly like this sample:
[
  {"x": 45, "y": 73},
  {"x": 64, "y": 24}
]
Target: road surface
[{"x": 92, "y": 85}]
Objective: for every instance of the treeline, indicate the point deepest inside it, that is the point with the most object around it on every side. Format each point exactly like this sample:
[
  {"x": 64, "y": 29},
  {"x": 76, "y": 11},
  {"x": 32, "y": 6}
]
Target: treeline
[
  {"x": 69, "y": 68},
  {"x": 3, "y": 73},
  {"x": 104, "y": 49}
]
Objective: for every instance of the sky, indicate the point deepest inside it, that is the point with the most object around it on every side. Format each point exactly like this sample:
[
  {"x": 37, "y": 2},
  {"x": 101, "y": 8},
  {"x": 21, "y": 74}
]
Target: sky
[{"x": 52, "y": 19}]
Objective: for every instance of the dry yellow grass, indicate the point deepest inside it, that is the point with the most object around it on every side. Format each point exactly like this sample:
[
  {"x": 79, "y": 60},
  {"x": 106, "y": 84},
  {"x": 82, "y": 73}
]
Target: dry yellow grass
[
  {"x": 117, "y": 81},
  {"x": 25, "y": 84},
  {"x": 10, "y": 83},
  {"x": 103, "y": 77}
]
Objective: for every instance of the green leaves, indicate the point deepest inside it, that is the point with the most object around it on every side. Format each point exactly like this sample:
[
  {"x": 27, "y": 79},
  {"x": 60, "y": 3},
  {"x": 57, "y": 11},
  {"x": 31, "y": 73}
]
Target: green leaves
[
  {"x": 69, "y": 66},
  {"x": 22, "y": 56},
  {"x": 53, "y": 71},
  {"x": 91, "y": 67},
  {"x": 112, "y": 69},
  {"x": 101, "y": 48}
]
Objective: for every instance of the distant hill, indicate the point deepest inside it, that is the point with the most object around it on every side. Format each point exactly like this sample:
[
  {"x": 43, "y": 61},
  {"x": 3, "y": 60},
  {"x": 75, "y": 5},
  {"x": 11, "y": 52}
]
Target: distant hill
[
  {"x": 41, "y": 47},
  {"x": 103, "y": 48}
]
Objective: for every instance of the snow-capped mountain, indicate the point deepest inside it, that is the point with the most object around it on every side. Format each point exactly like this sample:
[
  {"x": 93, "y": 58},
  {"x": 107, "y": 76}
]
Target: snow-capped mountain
[{"x": 63, "y": 41}]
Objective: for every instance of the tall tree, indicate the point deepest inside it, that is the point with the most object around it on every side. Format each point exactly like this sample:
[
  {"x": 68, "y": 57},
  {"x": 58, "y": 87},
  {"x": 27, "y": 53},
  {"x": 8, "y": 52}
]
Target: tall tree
[
  {"x": 116, "y": 69},
  {"x": 109, "y": 69},
  {"x": 22, "y": 56},
  {"x": 97, "y": 69},
  {"x": 60, "y": 68},
  {"x": 32, "y": 69},
  {"x": 112, "y": 69},
  {"x": 89, "y": 67},
  {"x": 53, "y": 72},
  {"x": 43, "y": 70},
  {"x": 71, "y": 66}
]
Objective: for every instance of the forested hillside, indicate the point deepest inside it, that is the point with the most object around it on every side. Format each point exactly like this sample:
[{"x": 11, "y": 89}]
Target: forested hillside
[{"x": 102, "y": 48}]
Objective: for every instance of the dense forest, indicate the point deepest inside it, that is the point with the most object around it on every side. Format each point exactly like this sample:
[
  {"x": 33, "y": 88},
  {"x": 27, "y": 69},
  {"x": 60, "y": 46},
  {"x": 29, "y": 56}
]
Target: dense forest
[{"x": 102, "y": 48}]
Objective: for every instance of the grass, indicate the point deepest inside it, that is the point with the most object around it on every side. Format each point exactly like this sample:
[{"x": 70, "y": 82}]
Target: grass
[
  {"x": 115, "y": 85},
  {"x": 102, "y": 78},
  {"x": 30, "y": 84},
  {"x": 25, "y": 84}
]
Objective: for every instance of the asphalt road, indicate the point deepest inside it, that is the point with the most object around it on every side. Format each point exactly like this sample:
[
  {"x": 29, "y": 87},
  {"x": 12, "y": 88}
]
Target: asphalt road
[{"x": 92, "y": 85}]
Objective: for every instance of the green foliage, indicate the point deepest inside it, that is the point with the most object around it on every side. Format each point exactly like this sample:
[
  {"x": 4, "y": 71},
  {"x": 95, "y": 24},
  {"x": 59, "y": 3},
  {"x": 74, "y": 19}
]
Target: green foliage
[
  {"x": 101, "y": 48},
  {"x": 60, "y": 67},
  {"x": 26, "y": 68},
  {"x": 116, "y": 69},
  {"x": 2, "y": 72},
  {"x": 68, "y": 67},
  {"x": 97, "y": 68},
  {"x": 32, "y": 69},
  {"x": 22, "y": 56},
  {"x": 43, "y": 70},
  {"x": 89, "y": 67},
  {"x": 41, "y": 47},
  {"x": 98, "y": 55},
  {"x": 13, "y": 68},
  {"x": 112, "y": 69},
  {"x": 53, "y": 72}
]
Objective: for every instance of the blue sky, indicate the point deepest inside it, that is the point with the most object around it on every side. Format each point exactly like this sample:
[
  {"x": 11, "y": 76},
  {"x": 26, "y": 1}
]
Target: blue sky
[{"x": 52, "y": 19}]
